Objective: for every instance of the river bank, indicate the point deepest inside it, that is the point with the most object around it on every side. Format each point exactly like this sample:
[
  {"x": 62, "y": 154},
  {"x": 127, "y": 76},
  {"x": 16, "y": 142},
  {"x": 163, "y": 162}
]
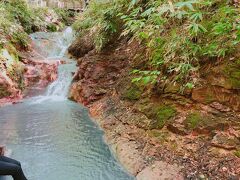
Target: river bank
[
  {"x": 96, "y": 85},
  {"x": 156, "y": 133},
  {"x": 36, "y": 73},
  {"x": 162, "y": 79}
]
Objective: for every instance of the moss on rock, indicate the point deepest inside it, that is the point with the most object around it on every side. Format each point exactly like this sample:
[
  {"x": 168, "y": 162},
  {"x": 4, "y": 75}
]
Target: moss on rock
[
  {"x": 193, "y": 120},
  {"x": 207, "y": 123},
  {"x": 162, "y": 115},
  {"x": 232, "y": 72},
  {"x": 162, "y": 136},
  {"x": 132, "y": 93},
  {"x": 4, "y": 92},
  {"x": 237, "y": 153},
  {"x": 52, "y": 27}
]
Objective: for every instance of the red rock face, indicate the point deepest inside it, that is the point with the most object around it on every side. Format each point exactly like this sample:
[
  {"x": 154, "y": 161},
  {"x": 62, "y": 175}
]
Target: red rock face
[
  {"x": 211, "y": 94},
  {"x": 204, "y": 128},
  {"x": 36, "y": 73},
  {"x": 40, "y": 73},
  {"x": 97, "y": 75}
]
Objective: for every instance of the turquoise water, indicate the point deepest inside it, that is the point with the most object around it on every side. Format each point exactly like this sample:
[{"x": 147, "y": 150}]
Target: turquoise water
[{"x": 54, "y": 138}]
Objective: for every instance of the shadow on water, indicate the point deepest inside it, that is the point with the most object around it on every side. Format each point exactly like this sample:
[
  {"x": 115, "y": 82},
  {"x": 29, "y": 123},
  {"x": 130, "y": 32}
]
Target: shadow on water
[{"x": 54, "y": 138}]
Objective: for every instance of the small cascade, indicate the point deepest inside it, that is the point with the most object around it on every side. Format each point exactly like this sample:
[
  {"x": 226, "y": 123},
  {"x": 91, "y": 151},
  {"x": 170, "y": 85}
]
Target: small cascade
[
  {"x": 54, "y": 138},
  {"x": 65, "y": 41},
  {"x": 56, "y": 46},
  {"x": 59, "y": 88},
  {"x": 52, "y": 45}
]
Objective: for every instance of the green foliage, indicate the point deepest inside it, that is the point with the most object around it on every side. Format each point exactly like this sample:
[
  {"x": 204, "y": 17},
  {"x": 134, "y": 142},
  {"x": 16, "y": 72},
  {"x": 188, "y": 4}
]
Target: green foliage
[
  {"x": 64, "y": 15},
  {"x": 101, "y": 20},
  {"x": 17, "y": 20},
  {"x": 10, "y": 27},
  {"x": 21, "y": 13},
  {"x": 52, "y": 27},
  {"x": 177, "y": 35},
  {"x": 145, "y": 77}
]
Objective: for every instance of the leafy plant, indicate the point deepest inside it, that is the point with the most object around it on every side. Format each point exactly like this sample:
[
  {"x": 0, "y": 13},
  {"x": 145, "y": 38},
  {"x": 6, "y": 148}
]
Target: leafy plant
[
  {"x": 145, "y": 77},
  {"x": 177, "y": 35}
]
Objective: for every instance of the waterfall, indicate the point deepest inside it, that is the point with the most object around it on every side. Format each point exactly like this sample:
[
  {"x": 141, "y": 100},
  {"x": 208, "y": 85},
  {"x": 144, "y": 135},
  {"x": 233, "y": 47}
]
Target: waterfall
[
  {"x": 58, "y": 90},
  {"x": 65, "y": 41},
  {"x": 52, "y": 45}
]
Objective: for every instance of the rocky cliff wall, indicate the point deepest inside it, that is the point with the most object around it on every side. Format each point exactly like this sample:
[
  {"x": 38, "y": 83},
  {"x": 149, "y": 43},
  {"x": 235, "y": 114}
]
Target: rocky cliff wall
[{"x": 161, "y": 131}]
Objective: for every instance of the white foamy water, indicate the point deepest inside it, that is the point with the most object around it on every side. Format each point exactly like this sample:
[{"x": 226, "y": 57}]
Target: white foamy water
[
  {"x": 52, "y": 45},
  {"x": 58, "y": 90},
  {"x": 56, "y": 47}
]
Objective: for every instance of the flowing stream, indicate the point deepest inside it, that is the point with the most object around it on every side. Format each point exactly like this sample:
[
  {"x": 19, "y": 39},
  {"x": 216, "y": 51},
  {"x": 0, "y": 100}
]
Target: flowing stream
[{"x": 52, "y": 137}]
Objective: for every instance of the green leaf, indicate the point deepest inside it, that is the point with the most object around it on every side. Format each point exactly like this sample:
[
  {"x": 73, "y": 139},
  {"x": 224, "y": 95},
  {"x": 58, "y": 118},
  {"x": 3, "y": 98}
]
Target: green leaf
[
  {"x": 146, "y": 79},
  {"x": 136, "y": 79},
  {"x": 143, "y": 35},
  {"x": 197, "y": 16},
  {"x": 135, "y": 71},
  {"x": 189, "y": 85}
]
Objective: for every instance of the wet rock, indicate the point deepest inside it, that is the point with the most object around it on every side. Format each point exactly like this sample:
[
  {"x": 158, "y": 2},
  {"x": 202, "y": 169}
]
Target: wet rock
[
  {"x": 95, "y": 77},
  {"x": 109, "y": 123},
  {"x": 129, "y": 156},
  {"x": 160, "y": 170},
  {"x": 40, "y": 73}
]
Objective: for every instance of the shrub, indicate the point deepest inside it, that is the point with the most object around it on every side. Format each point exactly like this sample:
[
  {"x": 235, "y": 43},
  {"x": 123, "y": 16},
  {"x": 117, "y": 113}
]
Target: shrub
[
  {"x": 64, "y": 15},
  {"x": 101, "y": 18},
  {"x": 178, "y": 35}
]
